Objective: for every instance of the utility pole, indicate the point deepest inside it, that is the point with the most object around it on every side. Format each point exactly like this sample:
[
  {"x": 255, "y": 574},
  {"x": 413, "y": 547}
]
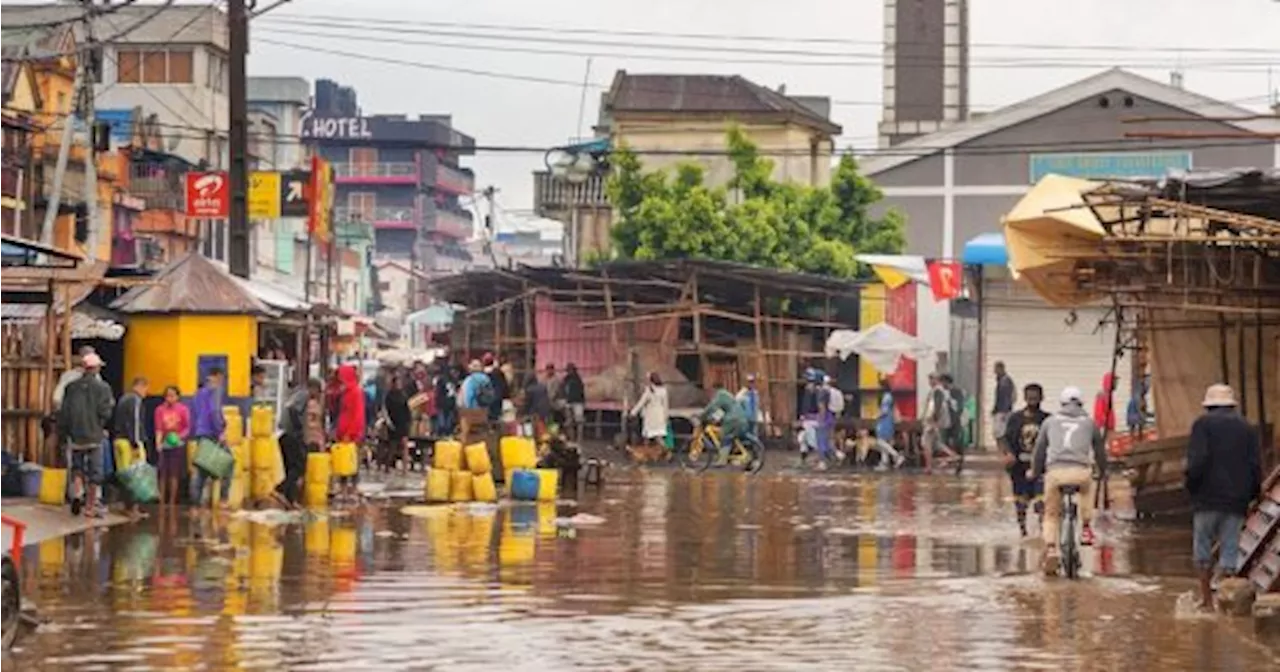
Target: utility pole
[
  {"x": 89, "y": 59},
  {"x": 64, "y": 150},
  {"x": 490, "y": 223},
  {"x": 238, "y": 47}
]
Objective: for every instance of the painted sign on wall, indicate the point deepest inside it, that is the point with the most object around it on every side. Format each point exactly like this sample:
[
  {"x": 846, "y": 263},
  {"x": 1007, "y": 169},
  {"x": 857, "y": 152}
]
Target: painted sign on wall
[{"x": 1132, "y": 165}]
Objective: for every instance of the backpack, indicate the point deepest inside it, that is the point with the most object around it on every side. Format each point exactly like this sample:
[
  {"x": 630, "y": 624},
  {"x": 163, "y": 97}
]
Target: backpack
[
  {"x": 486, "y": 395},
  {"x": 835, "y": 402},
  {"x": 955, "y": 405}
]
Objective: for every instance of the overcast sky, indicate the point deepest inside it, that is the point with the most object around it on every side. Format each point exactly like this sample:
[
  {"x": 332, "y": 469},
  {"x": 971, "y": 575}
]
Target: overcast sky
[{"x": 1224, "y": 47}]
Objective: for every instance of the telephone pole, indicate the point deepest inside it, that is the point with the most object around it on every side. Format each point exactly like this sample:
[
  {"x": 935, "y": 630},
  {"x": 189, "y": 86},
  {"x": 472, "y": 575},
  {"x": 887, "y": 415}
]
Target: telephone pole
[
  {"x": 64, "y": 148},
  {"x": 89, "y": 57},
  {"x": 238, "y": 47}
]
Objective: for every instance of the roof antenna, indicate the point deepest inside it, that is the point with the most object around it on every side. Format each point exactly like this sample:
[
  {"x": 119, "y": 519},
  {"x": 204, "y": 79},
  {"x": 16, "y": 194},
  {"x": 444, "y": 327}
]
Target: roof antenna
[{"x": 582, "y": 103}]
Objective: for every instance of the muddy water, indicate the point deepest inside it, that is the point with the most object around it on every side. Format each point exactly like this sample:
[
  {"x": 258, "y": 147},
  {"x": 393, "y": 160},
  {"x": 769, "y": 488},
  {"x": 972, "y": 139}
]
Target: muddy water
[{"x": 709, "y": 572}]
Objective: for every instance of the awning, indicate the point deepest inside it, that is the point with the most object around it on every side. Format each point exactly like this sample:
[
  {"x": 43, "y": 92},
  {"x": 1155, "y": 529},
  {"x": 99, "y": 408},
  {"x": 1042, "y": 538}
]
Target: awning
[
  {"x": 882, "y": 346},
  {"x": 1044, "y": 230},
  {"x": 896, "y": 270},
  {"x": 986, "y": 249}
]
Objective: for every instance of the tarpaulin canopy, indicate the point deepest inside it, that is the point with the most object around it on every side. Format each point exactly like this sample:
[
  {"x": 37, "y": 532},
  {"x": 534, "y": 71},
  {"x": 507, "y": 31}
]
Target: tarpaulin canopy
[
  {"x": 1043, "y": 232},
  {"x": 986, "y": 249},
  {"x": 882, "y": 346},
  {"x": 896, "y": 270}
]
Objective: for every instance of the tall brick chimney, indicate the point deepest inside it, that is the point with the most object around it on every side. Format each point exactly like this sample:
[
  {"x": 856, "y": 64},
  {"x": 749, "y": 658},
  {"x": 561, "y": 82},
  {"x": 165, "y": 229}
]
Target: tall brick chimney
[{"x": 926, "y": 67}]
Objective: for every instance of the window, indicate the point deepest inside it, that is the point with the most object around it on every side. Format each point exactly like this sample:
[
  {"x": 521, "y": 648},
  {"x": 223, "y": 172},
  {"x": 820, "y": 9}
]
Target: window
[
  {"x": 384, "y": 286},
  {"x": 362, "y": 204},
  {"x": 217, "y": 72},
  {"x": 180, "y": 67},
  {"x": 155, "y": 66},
  {"x": 129, "y": 67}
]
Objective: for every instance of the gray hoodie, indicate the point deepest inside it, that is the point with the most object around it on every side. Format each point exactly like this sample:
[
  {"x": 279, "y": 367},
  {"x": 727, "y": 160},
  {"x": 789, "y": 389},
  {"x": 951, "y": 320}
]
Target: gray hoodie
[{"x": 1066, "y": 438}]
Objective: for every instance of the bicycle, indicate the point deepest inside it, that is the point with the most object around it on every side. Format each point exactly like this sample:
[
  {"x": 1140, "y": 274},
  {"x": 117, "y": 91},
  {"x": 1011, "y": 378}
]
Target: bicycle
[
  {"x": 704, "y": 446},
  {"x": 1068, "y": 535}
]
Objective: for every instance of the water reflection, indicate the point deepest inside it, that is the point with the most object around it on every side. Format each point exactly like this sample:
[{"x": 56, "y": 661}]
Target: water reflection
[{"x": 685, "y": 572}]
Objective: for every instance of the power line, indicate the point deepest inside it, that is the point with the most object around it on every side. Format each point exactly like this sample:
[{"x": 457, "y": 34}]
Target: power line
[
  {"x": 808, "y": 39},
  {"x": 869, "y": 60},
  {"x": 96, "y": 14},
  {"x": 90, "y": 11},
  {"x": 539, "y": 79}
]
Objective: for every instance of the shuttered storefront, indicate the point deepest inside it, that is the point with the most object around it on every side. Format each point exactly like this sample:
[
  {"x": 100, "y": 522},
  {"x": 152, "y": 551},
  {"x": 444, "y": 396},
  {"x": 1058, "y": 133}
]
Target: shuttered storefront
[{"x": 1051, "y": 346}]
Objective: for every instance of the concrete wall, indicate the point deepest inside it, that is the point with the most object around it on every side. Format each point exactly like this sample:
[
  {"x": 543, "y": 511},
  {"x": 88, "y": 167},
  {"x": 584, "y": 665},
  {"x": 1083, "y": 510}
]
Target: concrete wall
[{"x": 787, "y": 145}]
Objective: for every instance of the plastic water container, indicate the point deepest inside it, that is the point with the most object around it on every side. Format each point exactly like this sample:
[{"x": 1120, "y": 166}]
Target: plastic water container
[
  {"x": 346, "y": 459},
  {"x": 319, "y": 468},
  {"x": 438, "y": 485},
  {"x": 518, "y": 452},
  {"x": 244, "y": 457},
  {"x": 447, "y": 455},
  {"x": 235, "y": 423},
  {"x": 31, "y": 477},
  {"x": 261, "y": 483},
  {"x": 524, "y": 485},
  {"x": 263, "y": 452},
  {"x": 478, "y": 462},
  {"x": 262, "y": 421},
  {"x": 548, "y": 484},
  {"x": 315, "y": 494},
  {"x": 460, "y": 486},
  {"x": 53, "y": 487},
  {"x": 483, "y": 488}
]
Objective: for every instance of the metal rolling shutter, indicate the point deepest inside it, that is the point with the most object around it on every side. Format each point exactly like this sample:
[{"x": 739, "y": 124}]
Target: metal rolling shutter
[{"x": 1037, "y": 345}]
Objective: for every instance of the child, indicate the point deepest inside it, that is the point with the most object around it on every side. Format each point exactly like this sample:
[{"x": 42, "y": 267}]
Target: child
[{"x": 173, "y": 427}]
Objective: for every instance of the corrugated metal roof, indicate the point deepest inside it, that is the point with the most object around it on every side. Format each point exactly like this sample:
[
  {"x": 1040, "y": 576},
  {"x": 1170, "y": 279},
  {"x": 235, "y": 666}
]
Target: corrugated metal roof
[
  {"x": 21, "y": 313},
  {"x": 192, "y": 284},
  {"x": 274, "y": 296},
  {"x": 176, "y": 24}
]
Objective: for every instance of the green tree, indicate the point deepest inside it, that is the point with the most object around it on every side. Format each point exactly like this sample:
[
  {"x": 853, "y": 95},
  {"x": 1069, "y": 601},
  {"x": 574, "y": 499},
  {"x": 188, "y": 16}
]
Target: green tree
[{"x": 753, "y": 219}]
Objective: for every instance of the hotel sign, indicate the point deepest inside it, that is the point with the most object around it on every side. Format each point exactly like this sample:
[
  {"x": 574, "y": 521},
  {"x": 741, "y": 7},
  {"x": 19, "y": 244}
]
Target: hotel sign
[
  {"x": 1102, "y": 165},
  {"x": 336, "y": 128}
]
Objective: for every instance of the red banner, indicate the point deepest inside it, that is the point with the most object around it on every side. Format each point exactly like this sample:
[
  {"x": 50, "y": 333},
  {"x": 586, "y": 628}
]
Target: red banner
[
  {"x": 208, "y": 195},
  {"x": 946, "y": 279},
  {"x": 321, "y": 195}
]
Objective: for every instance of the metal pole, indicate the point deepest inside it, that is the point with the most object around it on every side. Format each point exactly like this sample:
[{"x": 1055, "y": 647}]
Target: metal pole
[
  {"x": 89, "y": 57},
  {"x": 238, "y": 48},
  {"x": 64, "y": 149}
]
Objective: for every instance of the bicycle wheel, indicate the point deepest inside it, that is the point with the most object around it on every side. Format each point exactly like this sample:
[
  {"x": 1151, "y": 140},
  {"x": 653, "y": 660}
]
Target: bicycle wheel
[
  {"x": 1070, "y": 551},
  {"x": 697, "y": 454}
]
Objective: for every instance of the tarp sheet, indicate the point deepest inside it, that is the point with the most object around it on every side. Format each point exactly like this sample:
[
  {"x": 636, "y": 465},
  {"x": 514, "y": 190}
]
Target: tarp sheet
[
  {"x": 1043, "y": 230},
  {"x": 882, "y": 346},
  {"x": 1178, "y": 381}
]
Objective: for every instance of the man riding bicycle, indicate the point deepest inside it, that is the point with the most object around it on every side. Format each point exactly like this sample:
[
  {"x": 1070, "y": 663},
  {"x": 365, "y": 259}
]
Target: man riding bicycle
[
  {"x": 1062, "y": 456},
  {"x": 731, "y": 416}
]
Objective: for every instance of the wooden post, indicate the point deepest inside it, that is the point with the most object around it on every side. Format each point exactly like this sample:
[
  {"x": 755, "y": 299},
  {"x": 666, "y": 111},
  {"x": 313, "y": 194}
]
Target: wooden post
[
  {"x": 704, "y": 365},
  {"x": 608, "y": 311},
  {"x": 66, "y": 326},
  {"x": 1243, "y": 394},
  {"x": 762, "y": 360},
  {"x": 1222, "y": 349},
  {"x": 530, "y": 342},
  {"x": 50, "y": 349}
]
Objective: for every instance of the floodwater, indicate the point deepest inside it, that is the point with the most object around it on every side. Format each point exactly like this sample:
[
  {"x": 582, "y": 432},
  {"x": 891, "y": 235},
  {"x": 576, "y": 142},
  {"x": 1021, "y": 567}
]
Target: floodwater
[{"x": 678, "y": 572}]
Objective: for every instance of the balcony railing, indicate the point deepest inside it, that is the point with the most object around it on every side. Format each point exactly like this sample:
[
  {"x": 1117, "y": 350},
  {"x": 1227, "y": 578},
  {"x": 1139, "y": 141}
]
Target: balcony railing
[
  {"x": 553, "y": 193},
  {"x": 160, "y": 193},
  {"x": 382, "y": 172},
  {"x": 453, "y": 224},
  {"x": 455, "y": 180},
  {"x": 382, "y": 217},
  {"x": 11, "y": 181}
]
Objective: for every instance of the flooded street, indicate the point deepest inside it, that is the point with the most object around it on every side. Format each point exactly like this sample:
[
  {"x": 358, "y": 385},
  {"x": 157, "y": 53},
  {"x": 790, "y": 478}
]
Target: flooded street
[{"x": 656, "y": 571}]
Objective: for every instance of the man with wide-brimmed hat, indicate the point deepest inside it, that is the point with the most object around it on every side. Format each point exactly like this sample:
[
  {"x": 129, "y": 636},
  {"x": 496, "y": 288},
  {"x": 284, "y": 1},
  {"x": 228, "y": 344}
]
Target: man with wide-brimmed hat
[{"x": 1224, "y": 474}]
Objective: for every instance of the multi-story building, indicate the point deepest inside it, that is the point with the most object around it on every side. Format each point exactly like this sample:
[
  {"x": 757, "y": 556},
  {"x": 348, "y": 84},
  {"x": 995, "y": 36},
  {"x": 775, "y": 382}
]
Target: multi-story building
[
  {"x": 276, "y": 108},
  {"x": 21, "y": 101},
  {"x": 172, "y": 63},
  {"x": 669, "y": 119},
  {"x": 398, "y": 174},
  {"x": 49, "y": 54}
]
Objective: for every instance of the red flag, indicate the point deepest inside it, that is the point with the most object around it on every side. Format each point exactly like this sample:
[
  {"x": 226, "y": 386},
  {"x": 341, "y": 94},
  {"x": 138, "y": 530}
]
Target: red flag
[{"x": 945, "y": 279}]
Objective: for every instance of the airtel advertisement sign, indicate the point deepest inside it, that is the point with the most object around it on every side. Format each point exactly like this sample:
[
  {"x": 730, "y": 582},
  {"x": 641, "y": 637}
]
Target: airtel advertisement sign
[{"x": 208, "y": 195}]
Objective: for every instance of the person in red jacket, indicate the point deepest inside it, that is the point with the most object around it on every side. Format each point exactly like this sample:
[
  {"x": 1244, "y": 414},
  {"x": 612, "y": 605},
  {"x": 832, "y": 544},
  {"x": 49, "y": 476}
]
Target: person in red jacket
[
  {"x": 349, "y": 417},
  {"x": 1104, "y": 413}
]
